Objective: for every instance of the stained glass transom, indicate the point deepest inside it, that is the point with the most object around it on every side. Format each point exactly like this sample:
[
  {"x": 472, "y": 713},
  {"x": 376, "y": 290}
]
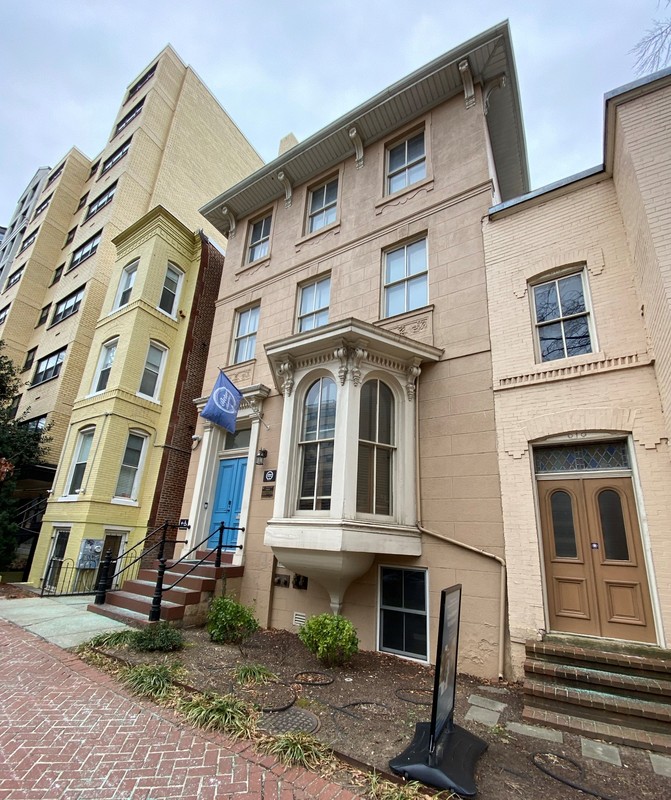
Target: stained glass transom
[{"x": 576, "y": 458}]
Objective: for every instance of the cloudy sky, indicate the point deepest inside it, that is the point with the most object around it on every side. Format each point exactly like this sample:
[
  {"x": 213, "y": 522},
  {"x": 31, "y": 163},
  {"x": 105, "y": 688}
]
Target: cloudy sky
[{"x": 295, "y": 65}]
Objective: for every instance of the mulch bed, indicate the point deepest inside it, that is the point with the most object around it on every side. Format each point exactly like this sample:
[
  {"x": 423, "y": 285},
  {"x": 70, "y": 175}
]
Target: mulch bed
[{"x": 367, "y": 712}]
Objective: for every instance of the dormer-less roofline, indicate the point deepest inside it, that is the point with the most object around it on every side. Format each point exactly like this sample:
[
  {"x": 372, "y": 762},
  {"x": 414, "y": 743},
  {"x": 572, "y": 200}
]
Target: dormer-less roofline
[{"x": 489, "y": 56}]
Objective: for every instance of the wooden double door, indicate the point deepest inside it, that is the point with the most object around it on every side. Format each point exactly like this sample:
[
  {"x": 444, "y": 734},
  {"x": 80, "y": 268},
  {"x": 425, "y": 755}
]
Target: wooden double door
[{"x": 595, "y": 572}]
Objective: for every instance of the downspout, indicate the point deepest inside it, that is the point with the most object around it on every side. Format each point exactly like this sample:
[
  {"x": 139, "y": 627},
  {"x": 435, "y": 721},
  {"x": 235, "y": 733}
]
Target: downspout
[{"x": 463, "y": 545}]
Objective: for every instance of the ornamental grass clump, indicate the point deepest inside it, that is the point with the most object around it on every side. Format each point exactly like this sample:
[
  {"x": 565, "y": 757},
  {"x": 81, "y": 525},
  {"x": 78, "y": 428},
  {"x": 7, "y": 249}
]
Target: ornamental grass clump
[
  {"x": 161, "y": 636},
  {"x": 229, "y": 622},
  {"x": 297, "y": 749},
  {"x": 222, "y": 713},
  {"x": 331, "y": 638},
  {"x": 153, "y": 680}
]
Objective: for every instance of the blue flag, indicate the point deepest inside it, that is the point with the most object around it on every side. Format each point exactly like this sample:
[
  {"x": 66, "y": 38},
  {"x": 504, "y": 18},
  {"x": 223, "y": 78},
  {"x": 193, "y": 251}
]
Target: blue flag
[{"x": 222, "y": 407}]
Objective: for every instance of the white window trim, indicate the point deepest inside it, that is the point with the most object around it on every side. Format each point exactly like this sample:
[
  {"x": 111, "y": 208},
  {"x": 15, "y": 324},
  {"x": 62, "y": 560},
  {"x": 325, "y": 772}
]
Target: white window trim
[
  {"x": 238, "y": 338},
  {"x": 385, "y": 253},
  {"x": 556, "y": 275},
  {"x": 393, "y": 145},
  {"x": 81, "y": 433},
  {"x": 300, "y": 317},
  {"x": 248, "y": 249},
  {"x": 178, "y": 290},
  {"x": 133, "y": 499},
  {"x": 104, "y": 349},
  {"x": 128, "y": 271},
  {"x": 335, "y": 205},
  {"x": 161, "y": 371}
]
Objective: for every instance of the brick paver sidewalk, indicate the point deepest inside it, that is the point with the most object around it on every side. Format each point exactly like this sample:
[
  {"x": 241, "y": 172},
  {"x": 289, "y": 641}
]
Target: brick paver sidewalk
[{"x": 68, "y": 731}]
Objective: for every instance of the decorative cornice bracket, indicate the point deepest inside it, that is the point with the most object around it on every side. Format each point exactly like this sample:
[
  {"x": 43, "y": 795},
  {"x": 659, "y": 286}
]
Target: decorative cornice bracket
[
  {"x": 230, "y": 219},
  {"x": 495, "y": 83},
  {"x": 412, "y": 373},
  {"x": 288, "y": 189},
  {"x": 467, "y": 80},
  {"x": 358, "y": 146},
  {"x": 285, "y": 370}
]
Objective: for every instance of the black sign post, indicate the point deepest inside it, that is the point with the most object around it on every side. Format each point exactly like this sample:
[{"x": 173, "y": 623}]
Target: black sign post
[{"x": 441, "y": 753}]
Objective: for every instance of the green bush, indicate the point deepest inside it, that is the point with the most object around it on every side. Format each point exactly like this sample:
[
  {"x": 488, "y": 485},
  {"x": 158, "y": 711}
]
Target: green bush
[
  {"x": 230, "y": 622},
  {"x": 331, "y": 638},
  {"x": 161, "y": 636}
]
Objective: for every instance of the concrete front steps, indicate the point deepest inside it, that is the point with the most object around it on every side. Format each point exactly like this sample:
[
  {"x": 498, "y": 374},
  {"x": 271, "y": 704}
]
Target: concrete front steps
[
  {"x": 185, "y": 605},
  {"x": 616, "y": 691}
]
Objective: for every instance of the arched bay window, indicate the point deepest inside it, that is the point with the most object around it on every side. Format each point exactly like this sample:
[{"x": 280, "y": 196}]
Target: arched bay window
[
  {"x": 316, "y": 446},
  {"x": 376, "y": 449}
]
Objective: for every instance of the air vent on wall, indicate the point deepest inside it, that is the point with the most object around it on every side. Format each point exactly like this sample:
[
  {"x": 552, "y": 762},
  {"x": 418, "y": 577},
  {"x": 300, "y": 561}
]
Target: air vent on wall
[{"x": 299, "y": 619}]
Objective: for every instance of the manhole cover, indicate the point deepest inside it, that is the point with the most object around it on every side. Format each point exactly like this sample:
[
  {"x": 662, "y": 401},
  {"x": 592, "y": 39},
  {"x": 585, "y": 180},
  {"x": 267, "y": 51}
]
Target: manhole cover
[{"x": 291, "y": 721}]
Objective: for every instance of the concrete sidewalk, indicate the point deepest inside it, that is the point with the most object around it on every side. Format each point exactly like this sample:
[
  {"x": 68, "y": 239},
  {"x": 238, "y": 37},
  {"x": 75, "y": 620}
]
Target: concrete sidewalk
[
  {"x": 61, "y": 620},
  {"x": 69, "y": 732}
]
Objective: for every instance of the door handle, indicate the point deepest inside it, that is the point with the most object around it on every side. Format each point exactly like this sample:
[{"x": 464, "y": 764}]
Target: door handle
[{"x": 227, "y": 510}]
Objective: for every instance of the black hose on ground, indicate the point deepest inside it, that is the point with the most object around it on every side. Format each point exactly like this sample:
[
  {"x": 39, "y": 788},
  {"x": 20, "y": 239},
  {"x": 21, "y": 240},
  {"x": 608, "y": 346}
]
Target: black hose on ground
[{"x": 535, "y": 760}]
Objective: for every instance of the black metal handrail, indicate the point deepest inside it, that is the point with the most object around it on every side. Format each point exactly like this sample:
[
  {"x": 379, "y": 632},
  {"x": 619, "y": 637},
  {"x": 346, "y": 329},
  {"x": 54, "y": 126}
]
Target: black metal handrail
[
  {"x": 155, "y": 611},
  {"x": 106, "y": 581}
]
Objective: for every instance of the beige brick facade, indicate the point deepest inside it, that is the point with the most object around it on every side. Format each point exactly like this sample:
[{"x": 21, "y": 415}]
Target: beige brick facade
[
  {"x": 610, "y": 227},
  {"x": 446, "y": 505}
]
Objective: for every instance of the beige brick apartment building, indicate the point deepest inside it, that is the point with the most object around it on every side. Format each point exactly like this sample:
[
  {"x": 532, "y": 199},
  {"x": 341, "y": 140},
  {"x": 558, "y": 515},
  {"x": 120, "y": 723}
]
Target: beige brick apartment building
[
  {"x": 579, "y": 281},
  {"x": 353, "y": 316},
  {"x": 171, "y": 144}
]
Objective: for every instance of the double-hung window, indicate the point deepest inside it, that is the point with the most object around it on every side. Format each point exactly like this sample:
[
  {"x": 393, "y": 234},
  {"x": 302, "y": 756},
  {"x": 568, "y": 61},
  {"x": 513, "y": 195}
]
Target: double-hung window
[
  {"x": 30, "y": 358},
  {"x": 85, "y": 250},
  {"x": 128, "y": 481},
  {"x": 44, "y": 314},
  {"x": 68, "y": 306},
  {"x": 15, "y": 277},
  {"x": 101, "y": 201},
  {"x": 80, "y": 459},
  {"x": 406, "y": 163},
  {"x": 405, "y": 278},
  {"x": 245, "y": 337},
  {"x": 105, "y": 361},
  {"x": 376, "y": 449},
  {"x": 150, "y": 383},
  {"x": 403, "y": 612},
  {"x": 130, "y": 116},
  {"x": 313, "y": 309},
  {"x": 562, "y": 317},
  {"x": 259, "y": 239},
  {"x": 48, "y": 367},
  {"x": 125, "y": 285},
  {"x": 4, "y": 311},
  {"x": 170, "y": 292},
  {"x": 316, "y": 446},
  {"x": 116, "y": 156},
  {"x": 323, "y": 202}
]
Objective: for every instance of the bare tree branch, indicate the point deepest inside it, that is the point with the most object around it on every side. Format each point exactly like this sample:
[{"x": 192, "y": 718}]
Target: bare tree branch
[{"x": 653, "y": 51}]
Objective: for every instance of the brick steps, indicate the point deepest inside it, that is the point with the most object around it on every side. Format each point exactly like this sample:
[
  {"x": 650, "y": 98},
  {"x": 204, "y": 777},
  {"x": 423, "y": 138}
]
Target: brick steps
[
  {"x": 618, "y": 691},
  {"x": 184, "y": 603}
]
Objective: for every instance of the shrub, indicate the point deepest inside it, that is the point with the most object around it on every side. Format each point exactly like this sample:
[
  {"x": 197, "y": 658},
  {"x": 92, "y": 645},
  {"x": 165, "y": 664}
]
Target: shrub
[
  {"x": 331, "y": 638},
  {"x": 161, "y": 636},
  {"x": 153, "y": 680},
  {"x": 230, "y": 622},
  {"x": 221, "y": 712}
]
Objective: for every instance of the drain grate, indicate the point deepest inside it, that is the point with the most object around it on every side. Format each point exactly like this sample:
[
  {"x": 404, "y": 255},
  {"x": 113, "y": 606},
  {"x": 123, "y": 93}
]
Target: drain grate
[{"x": 291, "y": 721}]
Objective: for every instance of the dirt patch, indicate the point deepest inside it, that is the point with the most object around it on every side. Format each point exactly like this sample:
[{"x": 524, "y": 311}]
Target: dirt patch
[
  {"x": 368, "y": 710},
  {"x": 9, "y": 591}
]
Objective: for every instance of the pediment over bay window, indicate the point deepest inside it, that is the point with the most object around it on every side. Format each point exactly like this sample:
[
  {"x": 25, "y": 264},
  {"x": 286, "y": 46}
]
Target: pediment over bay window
[{"x": 347, "y": 489}]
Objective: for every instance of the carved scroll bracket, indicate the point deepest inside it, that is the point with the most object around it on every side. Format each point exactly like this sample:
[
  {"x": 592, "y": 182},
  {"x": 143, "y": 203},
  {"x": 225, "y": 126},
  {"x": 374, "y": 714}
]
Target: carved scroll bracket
[
  {"x": 288, "y": 189},
  {"x": 358, "y": 146},
  {"x": 467, "y": 80},
  {"x": 286, "y": 371},
  {"x": 229, "y": 219}
]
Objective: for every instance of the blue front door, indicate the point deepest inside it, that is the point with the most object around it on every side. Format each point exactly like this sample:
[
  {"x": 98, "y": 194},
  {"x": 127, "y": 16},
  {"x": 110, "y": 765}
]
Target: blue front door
[{"x": 228, "y": 500}]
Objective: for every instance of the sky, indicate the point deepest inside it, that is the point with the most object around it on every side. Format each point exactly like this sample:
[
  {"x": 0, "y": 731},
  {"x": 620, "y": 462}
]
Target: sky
[{"x": 280, "y": 66}]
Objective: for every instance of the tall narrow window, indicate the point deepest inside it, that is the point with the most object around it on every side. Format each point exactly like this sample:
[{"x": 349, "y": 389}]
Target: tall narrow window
[
  {"x": 104, "y": 366},
  {"x": 259, "y": 239},
  {"x": 562, "y": 318},
  {"x": 376, "y": 449},
  {"x": 81, "y": 456},
  {"x": 405, "y": 278},
  {"x": 125, "y": 285},
  {"x": 314, "y": 305},
  {"x": 403, "y": 612},
  {"x": 323, "y": 202},
  {"x": 170, "y": 293},
  {"x": 406, "y": 163},
  {"x": 130, "y": 466},
  {"x": 153, "y": 370},
  {"x": 316, "y": 446},
  {"x": 245, "y": 337}
]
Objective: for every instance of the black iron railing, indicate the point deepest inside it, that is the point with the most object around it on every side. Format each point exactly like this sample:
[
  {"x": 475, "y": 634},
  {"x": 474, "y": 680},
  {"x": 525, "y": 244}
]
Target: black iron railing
[
  {"x": 159, "y": 589},
  {"x": 64, "y": 576}
]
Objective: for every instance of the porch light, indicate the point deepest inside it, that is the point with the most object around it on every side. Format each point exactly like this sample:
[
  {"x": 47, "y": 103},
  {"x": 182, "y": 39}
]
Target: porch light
[{"x": 261, "y": 457}]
